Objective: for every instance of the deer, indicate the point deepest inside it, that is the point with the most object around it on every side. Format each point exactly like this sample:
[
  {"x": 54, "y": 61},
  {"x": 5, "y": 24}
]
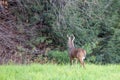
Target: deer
[{"x": 73, "y": 52}]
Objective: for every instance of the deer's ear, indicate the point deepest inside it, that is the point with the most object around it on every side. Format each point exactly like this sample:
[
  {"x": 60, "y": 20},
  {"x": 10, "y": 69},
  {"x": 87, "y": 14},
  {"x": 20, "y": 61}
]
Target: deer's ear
[
  {"x": 73, "y": 37},
  {"x": 67, "y": 36}
]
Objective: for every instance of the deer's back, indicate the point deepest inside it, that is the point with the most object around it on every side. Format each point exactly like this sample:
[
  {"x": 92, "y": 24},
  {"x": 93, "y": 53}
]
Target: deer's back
[
  {"x": 78, "y": 52},
  {"x": 81, "y": 52}
]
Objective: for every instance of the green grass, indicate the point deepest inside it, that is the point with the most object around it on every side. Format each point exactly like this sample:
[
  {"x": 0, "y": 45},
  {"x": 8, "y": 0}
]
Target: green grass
[{"x": 59, "y": 72}]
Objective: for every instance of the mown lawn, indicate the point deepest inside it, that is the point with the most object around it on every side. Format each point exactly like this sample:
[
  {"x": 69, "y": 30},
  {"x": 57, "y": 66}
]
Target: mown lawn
[{"x": 59, "y": 72}]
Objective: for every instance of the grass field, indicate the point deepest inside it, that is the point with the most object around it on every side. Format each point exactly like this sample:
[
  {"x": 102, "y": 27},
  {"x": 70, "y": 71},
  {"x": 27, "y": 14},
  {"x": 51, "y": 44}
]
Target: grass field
[{"x": 59, "y": 72}]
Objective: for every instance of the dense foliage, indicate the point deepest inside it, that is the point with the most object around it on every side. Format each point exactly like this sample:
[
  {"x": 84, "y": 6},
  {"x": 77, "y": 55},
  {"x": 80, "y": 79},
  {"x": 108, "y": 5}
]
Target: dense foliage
[{"x": 95, "y": 24}]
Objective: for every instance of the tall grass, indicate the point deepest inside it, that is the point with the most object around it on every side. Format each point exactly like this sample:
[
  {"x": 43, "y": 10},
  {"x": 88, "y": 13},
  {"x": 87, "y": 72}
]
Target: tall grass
[{"x": 59, "y": 72}]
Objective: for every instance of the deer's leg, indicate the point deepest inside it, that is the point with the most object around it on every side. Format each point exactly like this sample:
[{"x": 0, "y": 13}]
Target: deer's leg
[
  {"x": 82, "y": 62},
  {"x": 71, "y": 60},
  {"x": 76, "y": 61}
]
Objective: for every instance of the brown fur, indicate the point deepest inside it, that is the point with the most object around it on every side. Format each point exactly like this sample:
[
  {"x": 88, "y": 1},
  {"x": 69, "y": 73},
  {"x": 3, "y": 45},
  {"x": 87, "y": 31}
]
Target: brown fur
[{"x": 78, "y": 53}]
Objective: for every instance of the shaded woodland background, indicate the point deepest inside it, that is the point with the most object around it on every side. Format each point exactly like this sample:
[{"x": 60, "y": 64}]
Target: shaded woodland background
[{"x": 35, "y": 30}]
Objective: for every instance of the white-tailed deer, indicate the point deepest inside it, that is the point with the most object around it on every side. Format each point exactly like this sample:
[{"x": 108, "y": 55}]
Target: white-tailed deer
[{"x": 78, "y": 53}]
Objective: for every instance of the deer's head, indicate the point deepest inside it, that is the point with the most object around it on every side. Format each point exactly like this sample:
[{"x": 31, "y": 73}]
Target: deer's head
[{"x": 71, "y": 39}]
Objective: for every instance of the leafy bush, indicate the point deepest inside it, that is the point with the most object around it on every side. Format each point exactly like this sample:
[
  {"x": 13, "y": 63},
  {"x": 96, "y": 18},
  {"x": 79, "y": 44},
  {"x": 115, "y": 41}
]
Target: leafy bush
[
  {"x": 59, "y": 56},
  {"x": 94, "y": 24}
]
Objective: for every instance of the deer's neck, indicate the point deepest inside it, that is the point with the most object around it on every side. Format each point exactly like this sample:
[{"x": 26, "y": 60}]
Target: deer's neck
[{"x": 71, "y": 46}]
